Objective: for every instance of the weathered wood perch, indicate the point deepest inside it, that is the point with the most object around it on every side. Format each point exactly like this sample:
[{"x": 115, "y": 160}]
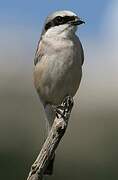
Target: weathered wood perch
[{"x": 56, "y": 133}]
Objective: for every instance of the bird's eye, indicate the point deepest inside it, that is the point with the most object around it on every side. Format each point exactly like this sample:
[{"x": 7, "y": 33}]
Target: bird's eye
[{"x": 59, "y": 19}]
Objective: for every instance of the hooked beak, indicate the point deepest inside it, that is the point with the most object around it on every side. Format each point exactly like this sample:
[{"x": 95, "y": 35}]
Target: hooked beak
[{"x": 77, "y": 22}]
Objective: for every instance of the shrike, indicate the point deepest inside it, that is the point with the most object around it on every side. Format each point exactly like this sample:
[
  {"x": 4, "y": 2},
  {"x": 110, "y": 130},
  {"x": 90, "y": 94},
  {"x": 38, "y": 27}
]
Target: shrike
[{"x": 58, "y": 63}]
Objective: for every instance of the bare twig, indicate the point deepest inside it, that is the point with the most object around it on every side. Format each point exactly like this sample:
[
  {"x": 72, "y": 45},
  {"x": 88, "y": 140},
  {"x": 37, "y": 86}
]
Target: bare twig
[{"x": 57, "y": 131}]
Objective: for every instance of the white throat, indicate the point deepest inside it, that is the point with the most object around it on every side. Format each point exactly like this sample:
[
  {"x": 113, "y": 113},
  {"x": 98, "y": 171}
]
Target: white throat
[{"x": 64, "y": 31}]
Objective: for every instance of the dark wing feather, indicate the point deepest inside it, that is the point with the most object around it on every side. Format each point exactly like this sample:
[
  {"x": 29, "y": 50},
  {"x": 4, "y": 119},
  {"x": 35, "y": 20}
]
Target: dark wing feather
[{"x": 82, "y": 53}]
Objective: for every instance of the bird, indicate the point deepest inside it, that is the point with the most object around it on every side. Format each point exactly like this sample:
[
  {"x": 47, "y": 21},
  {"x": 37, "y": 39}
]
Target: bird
[{"x": 58, "y": 64}]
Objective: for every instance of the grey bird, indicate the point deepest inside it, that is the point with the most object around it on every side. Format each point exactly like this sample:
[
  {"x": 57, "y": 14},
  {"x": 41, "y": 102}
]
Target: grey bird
[{"x": 58, "y": 63}]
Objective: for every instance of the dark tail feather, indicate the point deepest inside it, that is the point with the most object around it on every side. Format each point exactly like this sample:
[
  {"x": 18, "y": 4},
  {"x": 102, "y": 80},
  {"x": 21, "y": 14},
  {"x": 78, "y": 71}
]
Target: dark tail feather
[{"x": 49, "y": 170}]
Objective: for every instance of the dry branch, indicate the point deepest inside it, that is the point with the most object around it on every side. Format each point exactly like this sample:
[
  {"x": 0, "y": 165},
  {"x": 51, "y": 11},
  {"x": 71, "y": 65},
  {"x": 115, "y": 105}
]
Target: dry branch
[{"x": 56, "y": 133}]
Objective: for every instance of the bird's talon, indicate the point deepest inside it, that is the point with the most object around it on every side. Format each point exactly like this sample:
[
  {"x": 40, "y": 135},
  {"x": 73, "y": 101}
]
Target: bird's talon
[{"x": 63, "y": 110}]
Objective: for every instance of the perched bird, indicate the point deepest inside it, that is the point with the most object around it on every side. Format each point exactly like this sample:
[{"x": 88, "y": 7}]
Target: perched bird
[{"x": 58, "y": 63}]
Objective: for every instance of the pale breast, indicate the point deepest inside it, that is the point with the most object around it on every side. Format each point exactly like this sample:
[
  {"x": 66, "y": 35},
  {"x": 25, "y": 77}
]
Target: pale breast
[{"x": 58, "y": 73}]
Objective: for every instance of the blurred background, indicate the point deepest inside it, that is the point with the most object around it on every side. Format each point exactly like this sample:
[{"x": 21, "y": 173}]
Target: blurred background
[{"x": 89, "y": 148}]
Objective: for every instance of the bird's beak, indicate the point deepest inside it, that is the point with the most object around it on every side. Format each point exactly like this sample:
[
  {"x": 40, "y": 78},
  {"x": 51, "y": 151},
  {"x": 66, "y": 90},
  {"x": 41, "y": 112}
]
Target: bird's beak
[
  {"x": 77, "y": 22},
  {"x": 80, "y": 22}
]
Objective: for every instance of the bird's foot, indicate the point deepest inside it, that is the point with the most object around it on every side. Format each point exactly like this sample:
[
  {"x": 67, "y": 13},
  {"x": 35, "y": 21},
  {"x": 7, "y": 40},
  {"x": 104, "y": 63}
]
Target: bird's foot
[{"x": 63, "y": 110}]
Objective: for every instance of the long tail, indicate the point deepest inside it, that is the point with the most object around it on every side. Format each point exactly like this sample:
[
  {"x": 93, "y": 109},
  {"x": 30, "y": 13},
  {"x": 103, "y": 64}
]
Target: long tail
[{"x": 50, "y": 115}]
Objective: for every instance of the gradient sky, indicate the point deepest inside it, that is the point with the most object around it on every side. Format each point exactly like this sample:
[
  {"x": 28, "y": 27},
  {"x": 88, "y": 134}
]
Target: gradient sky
[
  {"x": 32, "y": 13},
  {"x": 95, "y": 113},
  {"x": 21, "y": 23}
]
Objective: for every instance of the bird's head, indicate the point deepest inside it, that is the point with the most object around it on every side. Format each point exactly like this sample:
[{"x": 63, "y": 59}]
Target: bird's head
[{"x": 61, "y": 23}]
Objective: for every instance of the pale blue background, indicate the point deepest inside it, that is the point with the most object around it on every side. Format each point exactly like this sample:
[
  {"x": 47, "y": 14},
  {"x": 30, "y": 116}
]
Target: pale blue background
[{"x": 32, "y": 13}]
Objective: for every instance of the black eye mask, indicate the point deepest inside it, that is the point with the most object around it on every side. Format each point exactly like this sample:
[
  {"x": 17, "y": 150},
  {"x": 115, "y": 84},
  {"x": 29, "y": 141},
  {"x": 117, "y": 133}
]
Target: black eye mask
[{"x": 59, "y": 20}]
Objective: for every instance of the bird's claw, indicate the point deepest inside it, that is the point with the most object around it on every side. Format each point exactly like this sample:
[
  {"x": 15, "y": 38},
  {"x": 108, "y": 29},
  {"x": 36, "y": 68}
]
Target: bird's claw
[{"x": 63, "y": 110}]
